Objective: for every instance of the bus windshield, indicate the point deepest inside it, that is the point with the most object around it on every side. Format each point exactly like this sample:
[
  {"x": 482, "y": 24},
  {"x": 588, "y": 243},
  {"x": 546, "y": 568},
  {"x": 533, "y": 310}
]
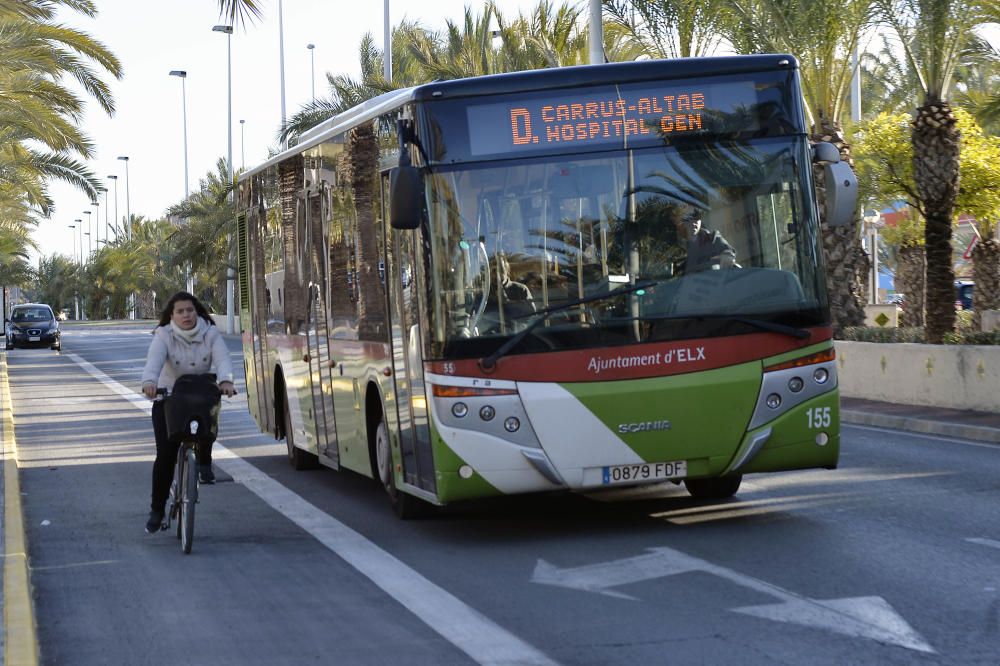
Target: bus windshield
[{"x": 719, "y": 227}]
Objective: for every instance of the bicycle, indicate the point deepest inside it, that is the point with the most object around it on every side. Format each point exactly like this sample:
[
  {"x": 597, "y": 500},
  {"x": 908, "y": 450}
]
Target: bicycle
[{"x": 192, "y": 415}]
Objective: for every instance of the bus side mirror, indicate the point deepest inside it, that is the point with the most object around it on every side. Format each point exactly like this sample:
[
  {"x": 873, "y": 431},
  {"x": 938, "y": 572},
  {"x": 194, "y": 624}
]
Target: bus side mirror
[
  {"x": 841, "y": 185},
  {"x": 841, "y": 194},
  {"x": 406, "y": 197}
]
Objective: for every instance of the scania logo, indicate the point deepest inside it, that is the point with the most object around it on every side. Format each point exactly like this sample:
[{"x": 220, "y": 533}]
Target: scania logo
[{"x": 643, "y": 426}]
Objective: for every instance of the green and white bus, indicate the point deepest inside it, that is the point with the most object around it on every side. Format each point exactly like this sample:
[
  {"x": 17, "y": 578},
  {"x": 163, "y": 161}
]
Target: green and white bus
[{"x": 482, "y": 287}]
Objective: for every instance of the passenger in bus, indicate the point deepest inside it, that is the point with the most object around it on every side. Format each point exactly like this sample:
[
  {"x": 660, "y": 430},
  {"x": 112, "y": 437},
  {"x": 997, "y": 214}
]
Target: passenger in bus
[
  {"x": 184, "y": 342},
  {"x": 705, "y": 249}
]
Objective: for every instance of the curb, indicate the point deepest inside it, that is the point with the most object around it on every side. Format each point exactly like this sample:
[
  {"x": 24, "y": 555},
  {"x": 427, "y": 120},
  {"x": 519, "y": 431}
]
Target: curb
[
  {"x": 925, "y": 426},
  {"x": 20, "y": 639}
]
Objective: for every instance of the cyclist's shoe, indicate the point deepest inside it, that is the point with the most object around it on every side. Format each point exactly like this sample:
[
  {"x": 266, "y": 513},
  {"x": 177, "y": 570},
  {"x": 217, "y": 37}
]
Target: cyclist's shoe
[
  {"x": 205, "y": 475},
  {"x": 155, "y": 522}
]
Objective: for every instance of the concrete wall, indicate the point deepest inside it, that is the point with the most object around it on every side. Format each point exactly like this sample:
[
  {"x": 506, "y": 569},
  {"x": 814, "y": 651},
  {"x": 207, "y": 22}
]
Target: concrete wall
[{"x": 957, "y": 376}]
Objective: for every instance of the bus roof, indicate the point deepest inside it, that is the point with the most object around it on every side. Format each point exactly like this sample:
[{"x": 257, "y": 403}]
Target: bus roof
[{"x": 528, "y": 81}]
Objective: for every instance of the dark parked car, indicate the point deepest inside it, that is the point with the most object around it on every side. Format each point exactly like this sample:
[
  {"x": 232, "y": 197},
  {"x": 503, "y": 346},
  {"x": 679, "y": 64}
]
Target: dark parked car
[
  {"x": 963, "y": 293},
  {"x": 32, "y": 325}
]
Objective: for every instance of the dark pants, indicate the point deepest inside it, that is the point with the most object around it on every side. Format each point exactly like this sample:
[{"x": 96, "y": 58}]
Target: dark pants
[{"x": 166, "y": 458}]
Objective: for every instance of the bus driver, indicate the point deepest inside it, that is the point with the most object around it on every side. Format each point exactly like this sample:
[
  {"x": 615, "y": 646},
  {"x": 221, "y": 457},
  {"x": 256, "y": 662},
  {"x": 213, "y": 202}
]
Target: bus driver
[{"x": 705, "y": 248}]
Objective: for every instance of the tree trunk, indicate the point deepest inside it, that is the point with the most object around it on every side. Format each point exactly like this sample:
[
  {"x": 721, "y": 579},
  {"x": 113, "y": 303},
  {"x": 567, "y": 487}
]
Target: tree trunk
[
  {"x": 847, "y": 265},
  {"x": 935, "y": 139},
  {"x": 910, "y": 280},
  {"x": 986, "y": 274}
]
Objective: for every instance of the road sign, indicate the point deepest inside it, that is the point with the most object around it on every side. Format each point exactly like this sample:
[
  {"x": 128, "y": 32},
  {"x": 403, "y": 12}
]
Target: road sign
[{"x": 968, "y": 251}]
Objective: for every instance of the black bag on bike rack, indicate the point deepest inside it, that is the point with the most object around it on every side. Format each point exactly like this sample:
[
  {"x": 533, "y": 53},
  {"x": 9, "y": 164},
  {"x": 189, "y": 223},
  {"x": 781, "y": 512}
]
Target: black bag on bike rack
[{"x": 194, "y": 397}]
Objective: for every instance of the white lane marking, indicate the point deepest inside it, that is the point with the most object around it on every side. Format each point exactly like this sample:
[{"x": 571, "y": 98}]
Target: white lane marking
[
  {"x": 985, "y": 542},
  {"x": 865, "y": 617},
  {"x": 461, "y": 625},
  {"x": 908, "y": 433}
]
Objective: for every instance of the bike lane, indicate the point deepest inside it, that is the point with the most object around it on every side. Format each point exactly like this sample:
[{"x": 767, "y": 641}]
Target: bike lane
[
  {"x": 257, "y": 589},
  {"x": 19, "y": 640}
]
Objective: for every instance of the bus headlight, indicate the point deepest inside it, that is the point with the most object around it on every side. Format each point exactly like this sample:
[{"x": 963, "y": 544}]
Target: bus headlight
[{"x": 459, "y": 410}]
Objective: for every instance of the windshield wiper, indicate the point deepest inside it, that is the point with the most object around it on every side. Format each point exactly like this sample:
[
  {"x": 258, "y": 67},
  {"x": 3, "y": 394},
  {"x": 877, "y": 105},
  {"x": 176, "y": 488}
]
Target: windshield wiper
[
  {"x": 490, "y": 361},
  {"x": 762, "y": 324}
]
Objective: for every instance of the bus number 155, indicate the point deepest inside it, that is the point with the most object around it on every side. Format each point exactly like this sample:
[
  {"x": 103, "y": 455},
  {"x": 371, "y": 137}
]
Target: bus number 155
[{"x": 819, "y": 417}]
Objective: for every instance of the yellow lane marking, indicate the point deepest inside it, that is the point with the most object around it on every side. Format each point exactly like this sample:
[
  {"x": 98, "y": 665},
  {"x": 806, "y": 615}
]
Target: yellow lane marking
[{"x": 20, "y": 633}]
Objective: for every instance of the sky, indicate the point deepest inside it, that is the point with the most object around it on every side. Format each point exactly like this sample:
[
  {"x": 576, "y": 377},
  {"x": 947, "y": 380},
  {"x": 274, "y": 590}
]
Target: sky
[{"x": 152, "y": 38}]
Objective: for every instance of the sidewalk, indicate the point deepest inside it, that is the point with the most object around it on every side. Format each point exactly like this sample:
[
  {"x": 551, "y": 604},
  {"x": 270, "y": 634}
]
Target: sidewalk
[{"x": 959, "y": 423}]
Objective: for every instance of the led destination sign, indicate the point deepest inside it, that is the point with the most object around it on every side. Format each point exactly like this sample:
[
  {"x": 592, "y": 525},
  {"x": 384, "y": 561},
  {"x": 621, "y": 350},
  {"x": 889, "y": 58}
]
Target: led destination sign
[{"x": 594, "y": 117}]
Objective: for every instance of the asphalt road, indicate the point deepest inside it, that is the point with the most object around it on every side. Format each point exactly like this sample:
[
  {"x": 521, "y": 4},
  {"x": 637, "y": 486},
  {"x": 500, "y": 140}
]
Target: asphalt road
[{"x": 892, "y": 559}]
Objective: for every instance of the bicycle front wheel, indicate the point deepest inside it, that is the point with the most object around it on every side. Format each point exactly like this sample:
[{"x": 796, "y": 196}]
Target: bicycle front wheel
[{"x": 189, "y": 497}]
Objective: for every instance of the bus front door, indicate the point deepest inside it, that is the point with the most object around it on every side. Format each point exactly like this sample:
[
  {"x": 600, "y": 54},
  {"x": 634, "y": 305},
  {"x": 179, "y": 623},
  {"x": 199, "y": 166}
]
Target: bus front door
[{"x": 404, "y": 297}]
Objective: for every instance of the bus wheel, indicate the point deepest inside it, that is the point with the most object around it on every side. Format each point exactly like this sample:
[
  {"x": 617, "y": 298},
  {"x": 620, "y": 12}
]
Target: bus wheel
[
  {"x": 297, "y": 458},
  {"x": 404, "y": 505},
  {"x": 720, "y": 488}
]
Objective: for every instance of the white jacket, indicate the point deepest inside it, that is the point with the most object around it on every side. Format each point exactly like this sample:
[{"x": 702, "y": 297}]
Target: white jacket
[{"x": 171, "y": 356}]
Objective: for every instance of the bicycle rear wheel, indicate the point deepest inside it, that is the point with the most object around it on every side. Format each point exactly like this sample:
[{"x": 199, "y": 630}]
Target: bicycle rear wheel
[{"x": 189, "y": 497}]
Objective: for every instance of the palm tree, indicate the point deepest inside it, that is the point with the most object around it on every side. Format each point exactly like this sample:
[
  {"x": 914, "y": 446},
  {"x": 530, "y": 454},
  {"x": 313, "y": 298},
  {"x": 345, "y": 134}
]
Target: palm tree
[
  {"x": 822, "y": 34},
  {"x": 346, "y": 92},
  {"x": 56, "y": 281},
  {"x": 550, "y": 36},
  {"x": 239, "y": 10},
  {"x": 888, "y": 83},
  {"x": 978, "y": 83},
  {"x": 671, "y": 28},
  {"x": 35, "y": 107},
  {"x": 210, "y": 218},
  {"x": 932, "y": 34}
]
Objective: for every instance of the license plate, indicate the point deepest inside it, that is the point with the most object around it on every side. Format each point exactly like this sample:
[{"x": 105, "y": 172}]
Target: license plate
[
  {"x": 643, "y": 472},
  {"x": 34, "y": 338}
]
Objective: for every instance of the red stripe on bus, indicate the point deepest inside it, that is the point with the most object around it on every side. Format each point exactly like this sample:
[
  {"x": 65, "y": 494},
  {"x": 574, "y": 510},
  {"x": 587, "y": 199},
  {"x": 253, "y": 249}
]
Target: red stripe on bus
[{"x": 654, "y": 359}]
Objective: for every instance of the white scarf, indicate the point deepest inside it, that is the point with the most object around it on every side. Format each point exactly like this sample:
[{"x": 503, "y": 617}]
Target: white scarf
[{"x": 190, "y": 334}]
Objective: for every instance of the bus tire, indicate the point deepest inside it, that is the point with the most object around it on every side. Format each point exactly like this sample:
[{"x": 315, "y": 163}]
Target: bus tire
[
  {"x": 718, "y": 488},
  {"x": 297, "y": 458},
  {"x": 405, "y": 506}
]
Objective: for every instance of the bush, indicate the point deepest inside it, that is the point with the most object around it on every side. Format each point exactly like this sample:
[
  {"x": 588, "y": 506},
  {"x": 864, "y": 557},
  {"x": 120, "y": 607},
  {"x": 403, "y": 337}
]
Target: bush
[
  {"x": 879, "y": 334},
  {"x": 964, "y": 335},
  {"x": 963, "y": 321}
]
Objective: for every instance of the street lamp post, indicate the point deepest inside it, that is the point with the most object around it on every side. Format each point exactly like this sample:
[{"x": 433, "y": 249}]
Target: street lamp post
[
  {"x": 243, "y": 157},
  {"x": 230, "y": 274},
  {"x": 97, "y": 221},
  {"x": 281, "y": 61},
  {"x": 596, "y": 37},
  {"x": 128, "y": 228},
  {"x": 90, "y": 244},
  {"x": 79, "y": 225},
  {"x": 183, "y": 77},
  {"x": 312, "y": 69},
  {"x": 73, "y": 227},
  {"x": 105, "y": 190},
  {"x": 115, "y": 179},
  {"x": 76, "y": 296},
  {"x": 386, "y": 43},
  {"x": 128, "y": 211},
  {"x": 871, "y": 219}
]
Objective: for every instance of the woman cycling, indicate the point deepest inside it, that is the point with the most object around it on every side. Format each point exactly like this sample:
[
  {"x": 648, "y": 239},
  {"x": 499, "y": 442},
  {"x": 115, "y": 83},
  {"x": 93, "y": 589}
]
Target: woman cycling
[{"x": 185, "y": 342}]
